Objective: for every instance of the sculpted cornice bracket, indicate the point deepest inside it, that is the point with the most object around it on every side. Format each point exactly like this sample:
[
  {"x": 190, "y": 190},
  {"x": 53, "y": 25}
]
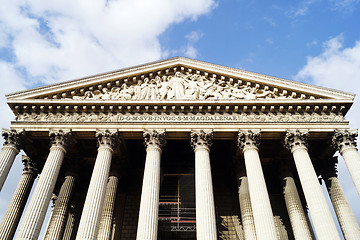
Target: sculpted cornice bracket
[
  {"x": 248, "y": 139},
  {"x": 13, "y": 138},
  {"x": 343, "y": 140},
  {"x": 154, "y": 139},
  {"x": 201, "y": 139},
  {"x": 107, "y": 138},
  {"x": 295, "y": 139}
]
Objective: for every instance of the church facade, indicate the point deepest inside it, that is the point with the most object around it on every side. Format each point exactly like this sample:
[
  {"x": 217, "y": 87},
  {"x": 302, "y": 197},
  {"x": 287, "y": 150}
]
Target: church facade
[{"x": 179, "y": 149}]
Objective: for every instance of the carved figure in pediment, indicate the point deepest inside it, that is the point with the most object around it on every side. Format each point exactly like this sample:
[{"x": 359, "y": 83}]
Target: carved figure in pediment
[
  {"x": 164, "y": 88},
  {"x": 106, "y": 94},
  {"x": 125, "y": 92},
  {"x": 192, "y": 91},
  {"x": 153, "y": 90},
  {"x": 210, "y": 93},
  {"x": 236, "y": 92},
  {"x": 183, "y": 87},
  {"x": 177, "y": 86}
]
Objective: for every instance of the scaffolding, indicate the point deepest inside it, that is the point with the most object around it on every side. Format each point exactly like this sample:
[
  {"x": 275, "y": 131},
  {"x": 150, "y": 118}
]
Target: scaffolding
[{"x": 177, "y": 203}]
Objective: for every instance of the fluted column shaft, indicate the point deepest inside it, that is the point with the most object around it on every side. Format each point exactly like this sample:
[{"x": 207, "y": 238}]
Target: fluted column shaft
[
  {"x": 90, "y": 217},
  {"x": 345, "y": 142},
  {"x": 247, "y": 217},
  {"x": 295, "y": 210},
  {"x": 205, "y": 207},
  {"x": 319, "y": 211},
  {"x": 108, "y": 209},
  {"x": 16, "y": 206},
  {"x": 69, "y": 227},
  {"x": 149, "y": 203},
  {"x": 8, "y": 153},
  {"x": 346, "y": 218},
  {"x": 58, "y": 219},
  {"x": 352, "y": 159},
  {"x": 35, "y": 213},
  {"x": 260, "y": 201}
]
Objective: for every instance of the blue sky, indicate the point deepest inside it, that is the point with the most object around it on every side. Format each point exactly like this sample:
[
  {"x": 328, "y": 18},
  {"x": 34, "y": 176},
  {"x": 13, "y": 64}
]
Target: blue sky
[{"x": 314, "y": 41}]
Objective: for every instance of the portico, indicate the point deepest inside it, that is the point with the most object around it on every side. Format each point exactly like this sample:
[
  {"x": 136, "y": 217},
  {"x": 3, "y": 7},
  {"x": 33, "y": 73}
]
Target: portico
[{"x": 182, "y": 149}]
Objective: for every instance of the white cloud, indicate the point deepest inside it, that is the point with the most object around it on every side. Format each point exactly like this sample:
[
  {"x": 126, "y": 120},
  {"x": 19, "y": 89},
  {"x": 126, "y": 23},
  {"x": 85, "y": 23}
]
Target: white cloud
[
  {"x": 345, "y": 6},
  {"x": 312, "y": 43},
  {"x": 270, "y": 20},
  {"x": 62, "y": 40},
  {"x": 269, "y": 40},
  {"x": 302, "y": 9},
  {"x": 12, "y": 82},
  {"x": 192, "y": 38},
  {"x": 339, "y": 68},
  {"x": 336, "y": 67},
  {"x": 188, "y": 50}
]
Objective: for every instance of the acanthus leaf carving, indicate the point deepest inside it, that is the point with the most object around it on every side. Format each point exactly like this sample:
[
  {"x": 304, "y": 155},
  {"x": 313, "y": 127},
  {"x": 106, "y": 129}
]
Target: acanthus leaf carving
[
  {"x": 201, "y": 139},
  {"x": 29, "y": 165},
  {"x": 248, "y": 139},
  {"x": 13, "y": 138},
  {"x": 60, "y": 138},
  {"x": 154, "y": 139},
  {"x": 296, "y": 138},
  {"x": 107, "y": 138},
  {"x": 342, "y": 140}
]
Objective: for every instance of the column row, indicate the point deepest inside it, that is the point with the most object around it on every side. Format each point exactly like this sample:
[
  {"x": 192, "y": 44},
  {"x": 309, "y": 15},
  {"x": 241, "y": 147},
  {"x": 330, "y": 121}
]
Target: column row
[{"x": 254, "y": 199}]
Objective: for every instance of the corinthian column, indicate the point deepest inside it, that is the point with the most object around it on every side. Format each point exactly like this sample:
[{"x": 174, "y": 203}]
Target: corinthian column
[
  {"x": 36, "y": 210},
  {"x": 13, "y": 213},
  {"x": 263, "y": 217},
  {"x": 149, "y": 204},
  {"x": 294, "y": 208},
  {"x": 58, "y": 219},
  {"x": 345, "y": 143},
  {"x": 319, "y": 211},
  {"x": 90, "y": 218},
  {"x": 8, "y": 152},
  {"x": 346, "y": 218},
  {"x": 247, "y": 217},
  {"x": 205, "y": 208},
  {"x": 108, "y": 209}
]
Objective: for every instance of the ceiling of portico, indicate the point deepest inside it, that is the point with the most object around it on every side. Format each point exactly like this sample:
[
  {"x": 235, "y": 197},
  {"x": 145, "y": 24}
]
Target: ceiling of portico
[{"x": 178, "y": 79}]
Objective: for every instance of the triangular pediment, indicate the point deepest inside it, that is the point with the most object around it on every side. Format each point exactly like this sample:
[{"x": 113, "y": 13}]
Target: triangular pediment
[{"x": 179, "y": 79}]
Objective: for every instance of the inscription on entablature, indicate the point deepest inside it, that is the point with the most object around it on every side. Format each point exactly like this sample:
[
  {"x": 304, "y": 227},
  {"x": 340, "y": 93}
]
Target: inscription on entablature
[{"x": 166, "y": 118}]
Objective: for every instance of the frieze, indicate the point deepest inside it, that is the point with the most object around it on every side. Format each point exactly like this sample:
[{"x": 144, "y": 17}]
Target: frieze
[
  {"x": 183, "y": 87},
  {"x": 128, "y": 118}
]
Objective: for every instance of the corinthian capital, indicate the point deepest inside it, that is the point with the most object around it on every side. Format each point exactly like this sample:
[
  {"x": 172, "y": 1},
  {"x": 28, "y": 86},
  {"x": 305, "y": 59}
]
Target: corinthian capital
[
  {"x": 107, "y": 138},
  {"x": 201, "y": 139},
  {"x": 13, "y": 138},
  {"x": 330, "y": 169},
  {"x": 342, "y": 140},
  {"x": 296, "y": 139},
  {"x": 60, "y": 138},
  {"x": 29, "y": 165},
  {"x": 248, "y": 139},
  {"x": 154, "y": 139}
]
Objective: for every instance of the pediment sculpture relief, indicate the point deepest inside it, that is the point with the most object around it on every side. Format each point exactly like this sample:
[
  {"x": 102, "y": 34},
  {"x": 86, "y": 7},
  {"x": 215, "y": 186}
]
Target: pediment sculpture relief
[{"x": 181, "y": 87}]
